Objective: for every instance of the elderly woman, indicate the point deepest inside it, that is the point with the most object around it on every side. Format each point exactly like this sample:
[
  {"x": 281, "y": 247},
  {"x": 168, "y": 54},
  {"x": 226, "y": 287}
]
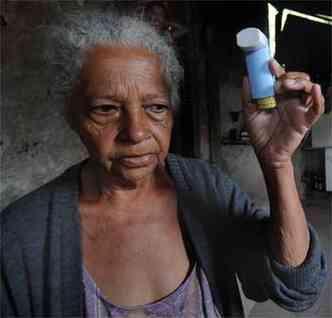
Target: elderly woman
[{"x": 136, "y": 231}]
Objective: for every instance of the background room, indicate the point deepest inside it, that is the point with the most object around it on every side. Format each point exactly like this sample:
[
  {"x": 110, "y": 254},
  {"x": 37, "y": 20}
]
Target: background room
[{"x": 36, "y": 145}]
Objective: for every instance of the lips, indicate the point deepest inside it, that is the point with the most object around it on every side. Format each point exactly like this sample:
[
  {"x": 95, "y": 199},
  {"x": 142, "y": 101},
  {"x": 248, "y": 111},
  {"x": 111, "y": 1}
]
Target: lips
[{"x": 137, "y": 161}]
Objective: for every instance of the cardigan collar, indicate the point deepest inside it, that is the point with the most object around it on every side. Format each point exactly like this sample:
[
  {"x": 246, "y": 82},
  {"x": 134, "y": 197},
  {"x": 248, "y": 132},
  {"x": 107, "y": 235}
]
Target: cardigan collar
[{"x": 190, "y": 206}]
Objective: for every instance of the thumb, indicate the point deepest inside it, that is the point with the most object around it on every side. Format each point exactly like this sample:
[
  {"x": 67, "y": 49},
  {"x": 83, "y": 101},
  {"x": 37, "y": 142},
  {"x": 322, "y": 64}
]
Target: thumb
[{"x": 247, "y": 105}]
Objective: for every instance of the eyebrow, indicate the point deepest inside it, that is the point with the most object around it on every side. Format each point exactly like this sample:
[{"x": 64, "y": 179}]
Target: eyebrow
[
  {"x": 104, "y": 97},
  {"x": 119, "y": 99},
  {"x": 155, "y": 96}
]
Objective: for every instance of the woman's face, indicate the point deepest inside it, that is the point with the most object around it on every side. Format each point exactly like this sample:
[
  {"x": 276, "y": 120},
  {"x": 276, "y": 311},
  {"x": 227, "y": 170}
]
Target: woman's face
[{"x": 123, "y": 111}]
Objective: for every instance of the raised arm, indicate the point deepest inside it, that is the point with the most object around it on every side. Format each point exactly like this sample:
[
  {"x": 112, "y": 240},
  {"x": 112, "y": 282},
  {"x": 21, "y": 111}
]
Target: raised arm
[{"x": 275, "y": 135}]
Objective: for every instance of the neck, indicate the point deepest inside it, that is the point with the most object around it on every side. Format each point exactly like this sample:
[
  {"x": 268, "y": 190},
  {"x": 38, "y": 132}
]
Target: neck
[{"x": 99, "y": 186}]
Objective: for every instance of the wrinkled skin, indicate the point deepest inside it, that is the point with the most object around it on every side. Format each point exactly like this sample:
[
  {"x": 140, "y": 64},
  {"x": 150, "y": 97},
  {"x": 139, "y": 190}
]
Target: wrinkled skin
[
  {"x": 132, "y": 244},
  {"x": 124, "y": 114},
  {"x": 276, "y": 134}
]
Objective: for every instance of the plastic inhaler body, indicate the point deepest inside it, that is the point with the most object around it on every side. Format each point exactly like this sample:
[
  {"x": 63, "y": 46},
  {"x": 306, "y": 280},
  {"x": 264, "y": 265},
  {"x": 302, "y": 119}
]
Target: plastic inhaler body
[{"x": 254, "y": 43}]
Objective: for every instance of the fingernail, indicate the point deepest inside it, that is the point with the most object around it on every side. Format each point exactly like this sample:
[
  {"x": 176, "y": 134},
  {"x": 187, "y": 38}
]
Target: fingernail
[{"x": 274, "y": 61}]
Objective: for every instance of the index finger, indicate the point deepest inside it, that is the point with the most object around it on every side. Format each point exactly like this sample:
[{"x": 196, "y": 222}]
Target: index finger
[{"x": 276, "y": 69}]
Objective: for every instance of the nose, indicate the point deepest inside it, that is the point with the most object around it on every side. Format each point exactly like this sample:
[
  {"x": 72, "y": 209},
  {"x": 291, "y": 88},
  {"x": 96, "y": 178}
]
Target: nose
[{"x": 134, "y": 128}]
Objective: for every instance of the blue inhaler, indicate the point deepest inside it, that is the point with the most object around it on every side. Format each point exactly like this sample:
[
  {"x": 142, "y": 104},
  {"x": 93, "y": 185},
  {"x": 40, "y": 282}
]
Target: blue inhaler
[{"x": 255, "y": 45}]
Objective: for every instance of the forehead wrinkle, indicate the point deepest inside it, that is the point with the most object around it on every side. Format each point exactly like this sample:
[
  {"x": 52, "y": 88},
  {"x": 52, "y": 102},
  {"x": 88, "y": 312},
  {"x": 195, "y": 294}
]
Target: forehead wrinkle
[
  {"x": 120, "y": 86},
  {"x": 123, "y": 74},
  {"x": 114, "y": 65},
  {"x": 135, "y": 89}
]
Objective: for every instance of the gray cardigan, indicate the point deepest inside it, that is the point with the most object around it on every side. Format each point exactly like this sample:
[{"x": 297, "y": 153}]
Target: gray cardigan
[{"x": 41, "y": 255}]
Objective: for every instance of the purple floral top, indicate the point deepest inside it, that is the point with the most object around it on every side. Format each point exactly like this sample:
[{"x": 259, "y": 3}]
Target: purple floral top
[{"x": 191, "y": 299}]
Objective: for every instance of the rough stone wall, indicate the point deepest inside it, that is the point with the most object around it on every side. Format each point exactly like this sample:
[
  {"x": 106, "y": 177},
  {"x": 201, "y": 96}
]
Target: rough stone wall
[{"x": 36, "y": 143}]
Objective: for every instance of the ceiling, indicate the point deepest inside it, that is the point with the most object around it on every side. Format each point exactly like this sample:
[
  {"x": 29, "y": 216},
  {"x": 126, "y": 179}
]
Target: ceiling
[{"x": 309, "y": 7}]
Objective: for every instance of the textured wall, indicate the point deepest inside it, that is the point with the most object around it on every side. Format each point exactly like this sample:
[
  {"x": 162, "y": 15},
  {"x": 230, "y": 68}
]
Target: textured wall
[{"x": 36, "y": 144}]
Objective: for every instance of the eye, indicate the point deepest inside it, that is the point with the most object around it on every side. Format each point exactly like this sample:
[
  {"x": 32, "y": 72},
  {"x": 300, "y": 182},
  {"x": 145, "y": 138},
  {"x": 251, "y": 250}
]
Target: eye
[
  {"x": 157, "y": 108},
  {"x": 105, "y": 109}
]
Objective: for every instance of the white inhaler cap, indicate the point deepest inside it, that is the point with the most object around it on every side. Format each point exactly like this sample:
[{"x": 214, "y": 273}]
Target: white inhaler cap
[
  {"x": 255, "y": 45},
  {"x": 251, "y": 39}
]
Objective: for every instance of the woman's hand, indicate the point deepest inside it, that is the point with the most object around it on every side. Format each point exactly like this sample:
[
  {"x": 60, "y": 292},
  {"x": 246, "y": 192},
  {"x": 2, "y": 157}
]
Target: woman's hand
[{"x": 275, "y": 134}]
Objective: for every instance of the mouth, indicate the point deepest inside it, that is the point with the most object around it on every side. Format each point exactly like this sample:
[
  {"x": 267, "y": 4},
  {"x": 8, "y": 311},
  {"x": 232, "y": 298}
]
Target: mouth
[{"x": 137, "y": 161}]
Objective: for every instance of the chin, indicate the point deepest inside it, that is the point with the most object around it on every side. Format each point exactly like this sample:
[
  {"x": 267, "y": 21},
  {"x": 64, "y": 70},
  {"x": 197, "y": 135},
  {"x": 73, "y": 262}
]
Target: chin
[
  {"x": 131, "y": 172},
  {"x": 133, "y": 176}
]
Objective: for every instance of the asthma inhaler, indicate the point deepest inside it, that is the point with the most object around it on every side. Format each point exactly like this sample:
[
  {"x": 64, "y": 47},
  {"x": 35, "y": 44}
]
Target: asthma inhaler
[{"x": 255, "y": 45}]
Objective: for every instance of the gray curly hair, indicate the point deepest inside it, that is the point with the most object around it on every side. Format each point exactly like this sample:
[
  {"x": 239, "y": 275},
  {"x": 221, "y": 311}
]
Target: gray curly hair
[{"x": 79, "y": 32}]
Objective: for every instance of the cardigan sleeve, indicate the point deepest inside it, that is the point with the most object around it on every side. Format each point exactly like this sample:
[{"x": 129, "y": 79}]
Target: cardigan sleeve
[{"x": 261, "y": 276}]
